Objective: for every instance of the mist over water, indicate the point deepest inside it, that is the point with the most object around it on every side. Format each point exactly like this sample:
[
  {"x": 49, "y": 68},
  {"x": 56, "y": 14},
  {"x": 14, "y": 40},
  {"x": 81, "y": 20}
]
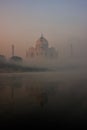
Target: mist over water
[
  {"x": 55, "y": 96},
  {"x": 41, "y": 91},
  {"x": 59, "y": 64}
]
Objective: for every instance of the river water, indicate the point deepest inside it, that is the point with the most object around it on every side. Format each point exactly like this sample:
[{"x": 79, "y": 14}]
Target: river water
[{"x": 56, "y": 96}]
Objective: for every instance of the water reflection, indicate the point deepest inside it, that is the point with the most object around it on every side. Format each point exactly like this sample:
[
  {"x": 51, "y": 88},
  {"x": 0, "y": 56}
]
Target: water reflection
[
  {"x": 21, "y": 93},
  {"x": 43, "y": 94},
  {"x": 16, "y": 82},
  {"x": 36, "y": 93}
]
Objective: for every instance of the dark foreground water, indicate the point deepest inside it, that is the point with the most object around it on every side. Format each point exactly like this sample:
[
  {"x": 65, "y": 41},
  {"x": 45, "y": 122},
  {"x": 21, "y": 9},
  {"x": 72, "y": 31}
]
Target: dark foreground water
[{"x": 44, "y": 98}]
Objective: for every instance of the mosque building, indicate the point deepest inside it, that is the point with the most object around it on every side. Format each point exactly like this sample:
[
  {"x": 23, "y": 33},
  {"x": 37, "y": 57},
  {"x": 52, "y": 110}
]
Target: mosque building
[{"x": 41, "y": 49}]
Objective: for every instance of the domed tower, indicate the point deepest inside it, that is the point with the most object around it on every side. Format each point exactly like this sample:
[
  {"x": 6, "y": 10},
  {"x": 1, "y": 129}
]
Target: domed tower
[
  {"x": 41, "y": 49},
  {"x": 42, "y": 43},
  {"x": 41, "y": 46}
]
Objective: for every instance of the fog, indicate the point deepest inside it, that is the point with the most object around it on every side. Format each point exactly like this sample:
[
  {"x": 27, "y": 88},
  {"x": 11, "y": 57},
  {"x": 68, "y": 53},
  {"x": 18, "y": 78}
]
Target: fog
[
  {"x": 59, "y": 63},
  {"x": 42, "y": 90},
  {"x": 57, "y": 95},
  {"x": 72, "y": 54}
]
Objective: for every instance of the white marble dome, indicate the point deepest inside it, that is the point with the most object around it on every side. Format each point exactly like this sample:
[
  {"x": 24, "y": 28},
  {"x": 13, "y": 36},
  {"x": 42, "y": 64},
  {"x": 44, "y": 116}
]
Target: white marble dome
[{"x": 42, "y": 43}]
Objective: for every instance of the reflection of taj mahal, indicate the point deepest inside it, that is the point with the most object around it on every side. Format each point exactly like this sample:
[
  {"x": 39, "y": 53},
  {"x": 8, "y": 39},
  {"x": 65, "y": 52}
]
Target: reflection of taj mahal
[{"x": 41, "y": 49}]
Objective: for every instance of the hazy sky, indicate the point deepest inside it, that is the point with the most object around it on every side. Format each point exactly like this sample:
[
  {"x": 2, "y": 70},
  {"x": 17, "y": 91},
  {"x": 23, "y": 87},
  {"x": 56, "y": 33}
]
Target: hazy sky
[{"x": 61, "y": 22}]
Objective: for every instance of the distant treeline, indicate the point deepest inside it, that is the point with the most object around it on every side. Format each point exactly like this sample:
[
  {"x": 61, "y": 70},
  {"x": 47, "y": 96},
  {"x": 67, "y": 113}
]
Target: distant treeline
[{"x": 8, "y": 67}]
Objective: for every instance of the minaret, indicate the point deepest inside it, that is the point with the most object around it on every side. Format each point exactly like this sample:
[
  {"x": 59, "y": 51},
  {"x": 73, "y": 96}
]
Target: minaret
[
  {"x": 12, "y": 50},
  {"x": 71, "y": 50}
]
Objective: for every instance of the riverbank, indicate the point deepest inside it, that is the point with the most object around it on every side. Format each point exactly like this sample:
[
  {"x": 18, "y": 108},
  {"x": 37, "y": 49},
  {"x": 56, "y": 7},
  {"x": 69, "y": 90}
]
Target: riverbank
[{"x": 11, "y": 68}]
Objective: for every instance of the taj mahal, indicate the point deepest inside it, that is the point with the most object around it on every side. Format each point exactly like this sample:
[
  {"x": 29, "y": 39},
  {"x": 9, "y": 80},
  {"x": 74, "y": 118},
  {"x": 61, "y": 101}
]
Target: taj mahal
[{"x": 41, "y": 49}]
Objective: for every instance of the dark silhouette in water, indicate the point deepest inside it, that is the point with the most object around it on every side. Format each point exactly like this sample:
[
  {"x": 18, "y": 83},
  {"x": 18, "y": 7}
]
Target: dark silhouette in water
[{"x": 43, "y": 99}]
